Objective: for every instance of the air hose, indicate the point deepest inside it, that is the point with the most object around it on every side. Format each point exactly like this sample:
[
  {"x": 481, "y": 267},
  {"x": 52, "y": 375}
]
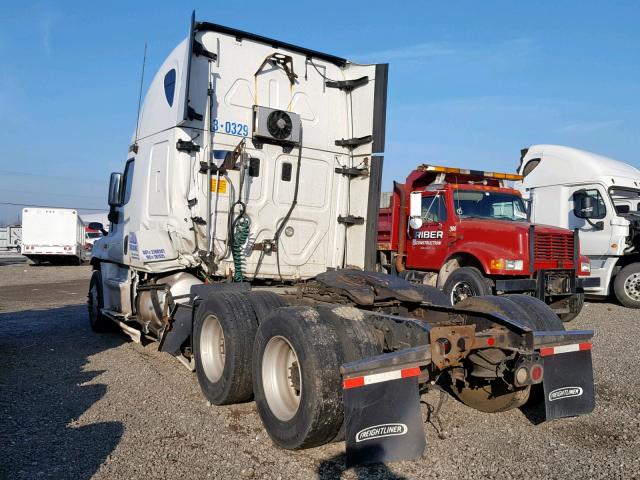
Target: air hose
[{"x": 240, "y": 236}]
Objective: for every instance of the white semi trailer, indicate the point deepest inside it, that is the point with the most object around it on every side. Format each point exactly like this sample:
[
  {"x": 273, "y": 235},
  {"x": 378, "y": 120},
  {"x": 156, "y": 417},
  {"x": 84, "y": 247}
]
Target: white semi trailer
[
  {"x": 242, "y": 239},
  {"x": 598, "y": 196},
  {"x": 10, "y": 237},
  {"x": 54, "y": 235}
]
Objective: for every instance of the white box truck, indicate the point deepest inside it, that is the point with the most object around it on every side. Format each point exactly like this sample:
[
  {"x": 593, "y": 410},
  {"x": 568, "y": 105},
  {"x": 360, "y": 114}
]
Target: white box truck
[
  {"x": 54, "y": 235},
  {"x": 247, "y": 250},
  {"x": 598, "y": 196}
]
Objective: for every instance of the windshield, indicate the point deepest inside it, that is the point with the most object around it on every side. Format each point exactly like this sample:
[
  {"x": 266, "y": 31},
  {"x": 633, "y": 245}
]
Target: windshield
[
  {"x": 483, "y": 204},
  {"x": 625, "y": 199},
  {"x": 94, "y": 234}
]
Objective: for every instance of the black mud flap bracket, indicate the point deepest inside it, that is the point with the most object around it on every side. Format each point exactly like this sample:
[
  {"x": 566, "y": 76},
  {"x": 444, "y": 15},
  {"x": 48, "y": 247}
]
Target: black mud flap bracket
[
  {"x": 179, "y": 330},
  {"x": 382, "y": 407},
  {"x": 568, "y": 380}
]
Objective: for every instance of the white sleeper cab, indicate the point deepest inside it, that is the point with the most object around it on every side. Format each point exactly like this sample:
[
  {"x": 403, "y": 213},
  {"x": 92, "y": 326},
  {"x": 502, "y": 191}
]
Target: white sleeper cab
[{"x": 600, "y": 197}]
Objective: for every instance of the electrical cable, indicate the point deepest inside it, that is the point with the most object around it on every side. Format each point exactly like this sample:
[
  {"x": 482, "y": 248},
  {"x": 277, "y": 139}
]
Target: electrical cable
[{"x": 294, "y": 202}]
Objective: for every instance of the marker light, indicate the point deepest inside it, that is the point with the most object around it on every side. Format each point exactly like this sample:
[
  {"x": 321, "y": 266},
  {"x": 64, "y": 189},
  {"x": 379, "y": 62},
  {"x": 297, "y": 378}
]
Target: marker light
[
  {"x": 466, "y": 171},
  {"x": 585, "y": 267},
  {"x": 496, "y": 264},
  {"x": 502, "y": 264},
  {"x": 521, "y": 375},
  {"x": 536, "y": 373}
]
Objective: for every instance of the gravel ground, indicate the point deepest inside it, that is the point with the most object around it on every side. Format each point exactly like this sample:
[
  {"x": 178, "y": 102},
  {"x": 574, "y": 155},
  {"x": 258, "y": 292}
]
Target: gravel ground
[{"x": 74, "y": 404}]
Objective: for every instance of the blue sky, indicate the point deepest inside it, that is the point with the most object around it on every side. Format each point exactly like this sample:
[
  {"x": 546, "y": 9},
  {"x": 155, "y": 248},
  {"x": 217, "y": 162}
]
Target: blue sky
[{"x": 470, "y": 82}]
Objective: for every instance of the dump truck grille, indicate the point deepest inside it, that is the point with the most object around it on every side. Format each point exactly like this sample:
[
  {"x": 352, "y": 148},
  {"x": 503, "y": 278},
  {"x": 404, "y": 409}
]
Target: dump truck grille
[{"x": 553, "y": 246}]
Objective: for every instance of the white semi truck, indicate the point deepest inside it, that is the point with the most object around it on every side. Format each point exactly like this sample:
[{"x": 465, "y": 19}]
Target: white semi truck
[
  {"x": 242, "y": 240},
  {"x": 54, "y": 235},
  {"x": 598, "y": 196}
]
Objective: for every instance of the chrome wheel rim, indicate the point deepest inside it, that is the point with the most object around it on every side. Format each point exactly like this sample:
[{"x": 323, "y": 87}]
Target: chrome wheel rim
[
  {"x": 460, "y": 291},
  {"x": 212, "y": 351},
  {"x": 632, "y": 286},
  {"x": 281, "y": 378}
]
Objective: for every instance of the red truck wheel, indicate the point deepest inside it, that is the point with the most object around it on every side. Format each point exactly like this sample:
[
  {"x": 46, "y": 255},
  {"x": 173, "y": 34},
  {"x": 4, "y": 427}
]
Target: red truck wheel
[{"x": 466, "y": 282}]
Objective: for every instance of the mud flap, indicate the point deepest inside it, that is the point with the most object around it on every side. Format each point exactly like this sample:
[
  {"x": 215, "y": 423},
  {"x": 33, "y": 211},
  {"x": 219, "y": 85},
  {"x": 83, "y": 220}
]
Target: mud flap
[
  {"x": 180, "y": 331},
  {"x": 383, "y": 419},
  {"x": 568, "y": 380}
]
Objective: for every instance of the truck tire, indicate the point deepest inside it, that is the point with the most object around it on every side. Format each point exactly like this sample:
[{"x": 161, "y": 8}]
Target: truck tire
[
  {"x": 540, "y": 316},
  {"x": 356, "y": 339},
  {"x": 466, "y": 282},
  {"x": 578, "y": 299},
  {"x": 264, "y": 303},
  {"x": 296, "y": 378},
  {"x": 95, "y": 303},
  {"x": 626, "y": 286},
  {"x": 433, "y": 295},
  {"x": 223, "y": 333}
]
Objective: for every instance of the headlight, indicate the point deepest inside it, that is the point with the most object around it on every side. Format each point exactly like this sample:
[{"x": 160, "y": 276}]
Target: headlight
[
  {"x": 585, "y": 267},
  {"x": 502, "y": 264},
  {"x": 514, "y": 264}
]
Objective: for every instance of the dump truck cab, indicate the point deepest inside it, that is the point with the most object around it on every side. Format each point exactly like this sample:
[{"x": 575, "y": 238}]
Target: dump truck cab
[{"x": 471, "y": 222}]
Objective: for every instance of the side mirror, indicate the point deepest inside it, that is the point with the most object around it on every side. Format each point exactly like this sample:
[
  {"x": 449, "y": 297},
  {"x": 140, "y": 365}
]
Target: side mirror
[
  {"x": 583, "y": 205},
  {"x": 97, "y": 226},
  {"x": 115, "y": 183},
  {"x": 415, "y": 210}
]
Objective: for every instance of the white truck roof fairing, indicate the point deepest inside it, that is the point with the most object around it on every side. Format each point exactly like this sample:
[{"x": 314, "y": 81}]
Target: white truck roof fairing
[
  {"x": 566, "y": 165},
  {"x": 341, "y": 108}
]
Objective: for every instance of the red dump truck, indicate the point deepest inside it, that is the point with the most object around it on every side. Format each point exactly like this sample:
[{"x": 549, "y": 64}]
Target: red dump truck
[{"x": 467, "y": 232}]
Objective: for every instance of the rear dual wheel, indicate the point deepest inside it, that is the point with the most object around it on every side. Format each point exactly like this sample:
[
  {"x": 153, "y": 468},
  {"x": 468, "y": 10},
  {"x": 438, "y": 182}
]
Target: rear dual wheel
[
  {"x": 493, "y": 395},
  {"x": 224, "y": 330},
  {"x": 296, "y": 371}
]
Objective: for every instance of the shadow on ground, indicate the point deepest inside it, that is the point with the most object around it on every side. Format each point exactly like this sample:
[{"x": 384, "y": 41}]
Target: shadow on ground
[
  {"x": 44, "y": 390},
  {"x": 335, "y": 467}
]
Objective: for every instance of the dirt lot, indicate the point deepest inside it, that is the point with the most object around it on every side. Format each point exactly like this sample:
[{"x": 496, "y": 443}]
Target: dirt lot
[{"x": 74, "y": 404}]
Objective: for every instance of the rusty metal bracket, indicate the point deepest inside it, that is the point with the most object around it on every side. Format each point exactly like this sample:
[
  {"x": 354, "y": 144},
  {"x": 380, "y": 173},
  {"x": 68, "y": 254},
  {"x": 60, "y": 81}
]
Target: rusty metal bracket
[
  {"x": 352, "y": 172},
  {"x": 281, "y": 60}
]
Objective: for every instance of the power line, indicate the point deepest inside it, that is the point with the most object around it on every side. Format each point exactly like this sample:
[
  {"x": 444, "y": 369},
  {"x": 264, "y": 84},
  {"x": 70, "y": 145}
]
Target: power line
[
  {"x": 58, "y": 177},
  {"x": 50, "y": 206},
  {"x": 58, "y": 194}
]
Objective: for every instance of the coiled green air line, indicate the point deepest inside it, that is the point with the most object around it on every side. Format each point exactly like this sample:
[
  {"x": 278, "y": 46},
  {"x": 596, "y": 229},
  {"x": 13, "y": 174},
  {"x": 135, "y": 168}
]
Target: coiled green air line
[{"x": 240, "y": 236}]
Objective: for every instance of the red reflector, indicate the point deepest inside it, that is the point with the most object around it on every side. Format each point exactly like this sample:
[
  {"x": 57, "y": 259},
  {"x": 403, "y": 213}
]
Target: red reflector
[
  {"x": 491, "y": 341},
  {"x": 536, "y": 373},
  {"x": 410, "y": 372},
  {"x": 353, "y": 382},
  {"x": 585, "y": 346},
  {"x": 545, "y": 352}
]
